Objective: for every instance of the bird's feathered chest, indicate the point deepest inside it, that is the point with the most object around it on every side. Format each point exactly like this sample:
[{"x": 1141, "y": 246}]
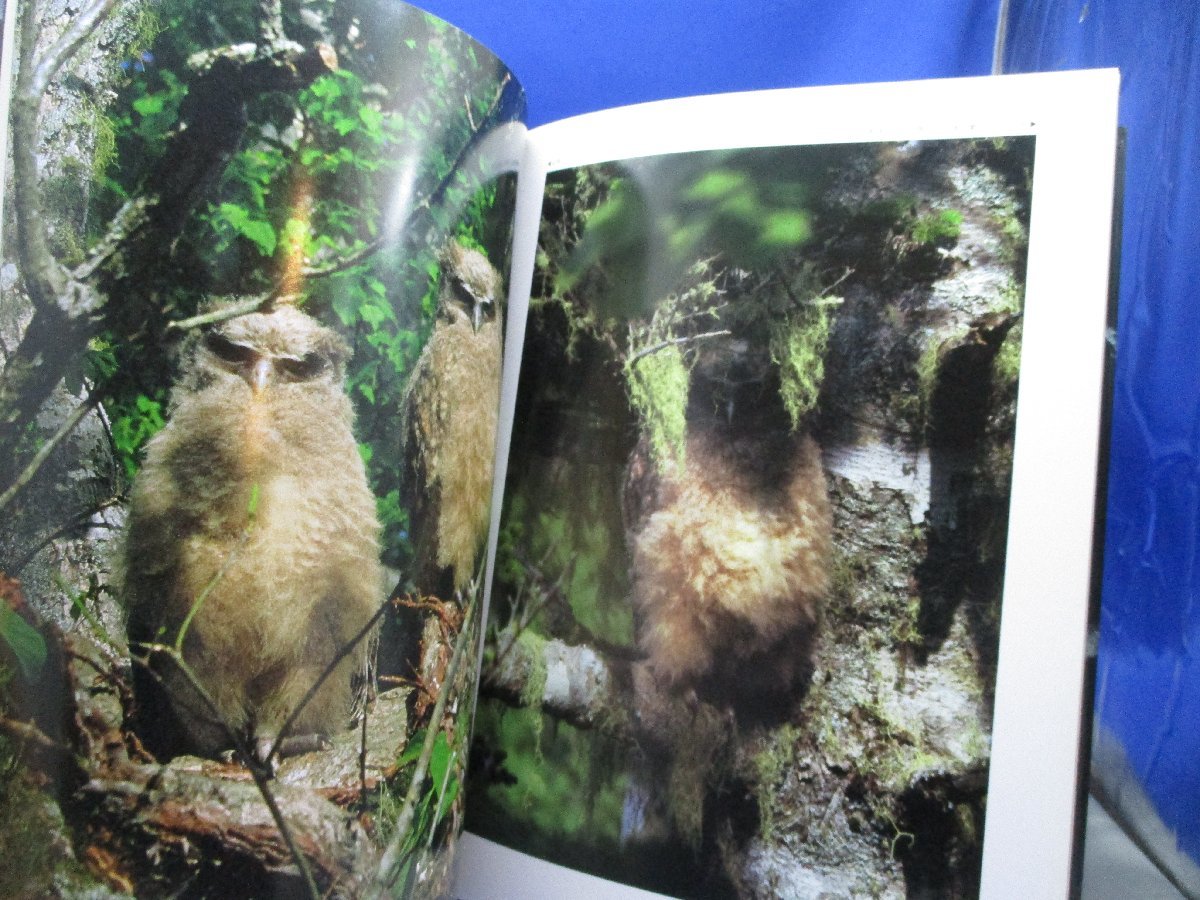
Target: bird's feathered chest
[{"x": 275, "y": 478}]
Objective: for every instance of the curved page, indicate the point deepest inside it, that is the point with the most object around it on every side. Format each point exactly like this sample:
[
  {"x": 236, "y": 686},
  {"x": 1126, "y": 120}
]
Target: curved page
[{"x": 252, "y": 318}]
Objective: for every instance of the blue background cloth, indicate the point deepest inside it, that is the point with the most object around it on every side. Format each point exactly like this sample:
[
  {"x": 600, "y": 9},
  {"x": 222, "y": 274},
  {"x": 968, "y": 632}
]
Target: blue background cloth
[
  {"x": 1148, "y": 671},
  {"x": 592, "y": 54}
]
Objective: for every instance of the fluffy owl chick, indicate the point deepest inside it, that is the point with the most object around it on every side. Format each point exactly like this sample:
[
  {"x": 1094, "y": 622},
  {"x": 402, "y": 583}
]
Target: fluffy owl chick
[
  {"x": 730, "y": 564},
  {"x": 450, "y": 410},
  {"x": 253, "y": 531}
]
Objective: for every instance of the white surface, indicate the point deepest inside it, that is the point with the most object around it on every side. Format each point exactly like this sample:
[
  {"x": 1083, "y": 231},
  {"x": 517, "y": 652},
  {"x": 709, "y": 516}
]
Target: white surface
[
  {"x": 484, "y": 870},
  {"x": 1113, "y": 869}
]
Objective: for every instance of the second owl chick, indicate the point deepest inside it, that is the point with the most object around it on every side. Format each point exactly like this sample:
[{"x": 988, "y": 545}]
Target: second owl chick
[
  {"x": 450, "y": 410},
  {"x": 252, "y": 530}
]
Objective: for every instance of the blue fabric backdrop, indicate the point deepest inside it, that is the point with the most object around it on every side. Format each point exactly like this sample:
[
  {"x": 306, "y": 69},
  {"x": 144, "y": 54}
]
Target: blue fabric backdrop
[
  {"x": 592, "y": 54},
  {"x": 1148, "y": 672}
]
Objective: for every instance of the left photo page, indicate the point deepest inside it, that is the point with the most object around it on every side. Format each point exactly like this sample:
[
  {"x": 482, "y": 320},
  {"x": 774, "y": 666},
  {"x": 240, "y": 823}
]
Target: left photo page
[{"x": 252, "y": 290}]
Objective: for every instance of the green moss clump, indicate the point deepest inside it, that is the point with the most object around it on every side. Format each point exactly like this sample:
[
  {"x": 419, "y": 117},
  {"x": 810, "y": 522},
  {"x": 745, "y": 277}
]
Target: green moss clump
[
  {"x": 533, "y": 646},
  {"x": 927, "y": 372},
  {"x": 797, "y": 345},
  {"x": 658, "y": 384},
  {"x": 939, "y": 228},
  {"x": 905, "y": 628},
  {"x": 1006, "y": 367},
  {"x": 771, "y": 766}
]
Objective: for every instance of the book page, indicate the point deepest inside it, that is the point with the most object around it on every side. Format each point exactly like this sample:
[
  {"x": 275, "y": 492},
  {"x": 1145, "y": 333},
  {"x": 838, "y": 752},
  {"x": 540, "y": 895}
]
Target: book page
[
  {"x": 252, "y": 328},
  {"x": 794, "y": 561}
]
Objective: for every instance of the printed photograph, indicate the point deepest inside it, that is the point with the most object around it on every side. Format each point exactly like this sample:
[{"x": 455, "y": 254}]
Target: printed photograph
[
  {"x": 744, "y": 629},
  {"x": 250, "y": 347}
]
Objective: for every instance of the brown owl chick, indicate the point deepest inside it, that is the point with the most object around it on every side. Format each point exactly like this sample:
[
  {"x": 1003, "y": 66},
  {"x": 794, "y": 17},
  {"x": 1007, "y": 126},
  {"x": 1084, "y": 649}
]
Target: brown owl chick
[
  {"x": 252, "y": 528},
  {"x": 450, "y": 409},
  {"x": 730, "y": 559}
]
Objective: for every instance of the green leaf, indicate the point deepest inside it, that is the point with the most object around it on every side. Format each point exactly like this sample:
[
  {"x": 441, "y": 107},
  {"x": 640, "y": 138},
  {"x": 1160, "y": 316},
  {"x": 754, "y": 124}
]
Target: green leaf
[
  {"x": 258, "y": 232},
  {"x": 413, "y": 751},
  {"x": 371, "y": 117},
  {"x": 26, "y": 643},
  {"x": 716, "y": 184},
  {"x": 785, "y": 228},
  {"x": 150, "y": 104}
]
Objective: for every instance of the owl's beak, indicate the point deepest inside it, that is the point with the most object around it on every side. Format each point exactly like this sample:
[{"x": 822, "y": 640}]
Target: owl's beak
[
  {"x": 477, "y": 309},
  {"x": 260, "y": 375}
]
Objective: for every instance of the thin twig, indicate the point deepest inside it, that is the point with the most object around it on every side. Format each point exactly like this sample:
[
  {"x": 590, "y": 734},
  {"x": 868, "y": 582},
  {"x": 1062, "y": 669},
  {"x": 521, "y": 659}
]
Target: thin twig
[
  {"x": 454, "y": 169},
  {"x": 391, "y": 861},
  {"x": 28, "y": 733},
  {"x": 362, "y": 760},
  {"x": 679, "y": 341},
  {"x": 78, "y": 521},
  {"x": 343, "y": 263},
  {"x": 68, "y": 425},
  {"x": 224, "y": 313},
  {"x": 229, "y": 560},
  {"x": 345, "y": 651}
]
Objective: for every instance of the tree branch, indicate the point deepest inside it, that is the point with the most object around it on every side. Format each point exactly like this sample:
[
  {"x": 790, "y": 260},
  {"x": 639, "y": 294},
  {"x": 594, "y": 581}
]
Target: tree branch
[
  {"x": 343, "y": 263},
  {"x": 257, "y": 772},
  {"x": 678, "y": 342},
  {"x": 577, "y": 684},
  {"x": 80, "y": 29},
  {"x": 223, "y": 313},
  {"x": 31, "y": 469}
]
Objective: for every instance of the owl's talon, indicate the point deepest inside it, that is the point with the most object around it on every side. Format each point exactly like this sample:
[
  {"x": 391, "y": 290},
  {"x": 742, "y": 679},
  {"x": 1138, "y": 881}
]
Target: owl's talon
[
  {"x": 292, "y": 745},
  {"x": 298, "y": 744}
]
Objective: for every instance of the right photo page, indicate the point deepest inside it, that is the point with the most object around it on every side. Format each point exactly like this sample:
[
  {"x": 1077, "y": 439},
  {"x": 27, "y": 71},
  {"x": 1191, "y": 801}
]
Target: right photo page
[{"x": 745, "y": 623}]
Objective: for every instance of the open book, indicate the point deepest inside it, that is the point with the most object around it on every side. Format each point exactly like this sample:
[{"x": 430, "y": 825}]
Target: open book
[{"x": 694, "y": 498}]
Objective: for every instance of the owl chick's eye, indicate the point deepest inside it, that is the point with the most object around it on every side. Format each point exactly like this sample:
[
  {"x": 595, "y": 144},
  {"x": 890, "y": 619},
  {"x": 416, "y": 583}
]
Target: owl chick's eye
[
  {"x": 303, "y": 368},
  {"x": 225, "y": 349}
]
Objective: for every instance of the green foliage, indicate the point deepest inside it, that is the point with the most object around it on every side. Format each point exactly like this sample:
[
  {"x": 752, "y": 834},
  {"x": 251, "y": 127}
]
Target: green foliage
[
  {"x": 567, "y": 785},
  {"x": 636, "y": 233},
  {"x": 570, "y": 522},
  {"x": 442, "y": 780},
  {"x": 441, "y": 788},
  {"x": 26, "y": 643},
  {"x": 753, "y": 219},
  {"x": 134, "y": 423}
]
